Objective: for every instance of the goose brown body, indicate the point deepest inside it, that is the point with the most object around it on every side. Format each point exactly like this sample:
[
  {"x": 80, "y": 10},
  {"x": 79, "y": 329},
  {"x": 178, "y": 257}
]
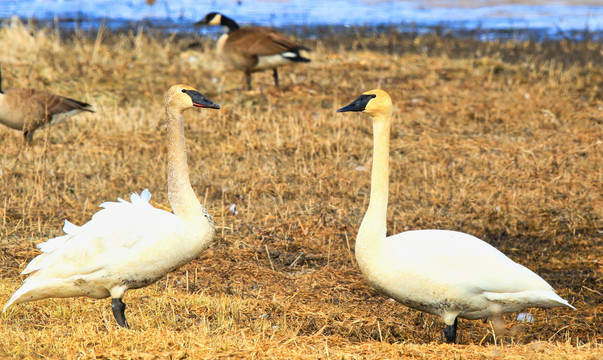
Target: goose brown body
[
  {"x": 252, "y": 49},
  {"x": 27, "y": 110}
]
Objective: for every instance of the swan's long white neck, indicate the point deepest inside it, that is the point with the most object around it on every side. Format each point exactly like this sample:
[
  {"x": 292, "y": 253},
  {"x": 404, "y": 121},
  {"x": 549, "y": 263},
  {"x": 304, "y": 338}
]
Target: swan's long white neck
[
  {"x": 181, "y": 196},
  {"x": 373, "y": 228}
]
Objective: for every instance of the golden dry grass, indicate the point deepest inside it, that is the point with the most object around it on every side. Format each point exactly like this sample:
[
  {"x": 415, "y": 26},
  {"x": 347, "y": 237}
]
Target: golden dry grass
[{"x": 497, "y": 139}]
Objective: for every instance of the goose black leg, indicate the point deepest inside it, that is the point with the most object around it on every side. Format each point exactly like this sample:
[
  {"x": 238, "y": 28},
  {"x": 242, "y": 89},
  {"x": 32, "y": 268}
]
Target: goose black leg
[
  {"x": 119, "y": 309},
  {"x": 248, "y": 78},
  {"x": 275, "y": 74},
  {"x": 450, "y": 332}
]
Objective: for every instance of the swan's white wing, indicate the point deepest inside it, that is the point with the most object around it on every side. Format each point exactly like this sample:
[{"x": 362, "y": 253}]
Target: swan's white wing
[
  {"x": 53, "y": 244},
  {"x": 107, "y": 239},
  {"x": 437, "y": 270},
  {"x": 462, "y": 261}
]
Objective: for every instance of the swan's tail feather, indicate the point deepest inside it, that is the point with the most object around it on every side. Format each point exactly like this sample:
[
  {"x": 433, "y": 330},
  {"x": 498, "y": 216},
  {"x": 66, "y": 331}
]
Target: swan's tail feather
[
  {"x": 564, "y": 302},
  {"x": 19, "y": 295},
  {"x": 535, "y": 298},
  {"x": 34, "y": 289}
]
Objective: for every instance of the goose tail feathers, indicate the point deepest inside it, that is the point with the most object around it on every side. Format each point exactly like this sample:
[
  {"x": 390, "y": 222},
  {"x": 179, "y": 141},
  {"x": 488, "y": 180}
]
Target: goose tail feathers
[{"x": 295, "y": 56}]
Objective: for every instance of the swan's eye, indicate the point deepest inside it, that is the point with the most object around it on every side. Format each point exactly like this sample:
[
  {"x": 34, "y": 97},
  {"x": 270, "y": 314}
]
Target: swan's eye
[{"x": 183, "y": 90}]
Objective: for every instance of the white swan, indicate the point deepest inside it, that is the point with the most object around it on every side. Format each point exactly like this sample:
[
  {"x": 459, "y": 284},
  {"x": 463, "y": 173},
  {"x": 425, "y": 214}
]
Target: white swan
[
  {"x": 444, "y": 273},
  {"x": 127, "y": 245}
]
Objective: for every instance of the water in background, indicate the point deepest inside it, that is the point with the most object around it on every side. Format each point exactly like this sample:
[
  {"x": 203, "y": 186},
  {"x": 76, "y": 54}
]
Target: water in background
[{"x": 535, "y": 19}]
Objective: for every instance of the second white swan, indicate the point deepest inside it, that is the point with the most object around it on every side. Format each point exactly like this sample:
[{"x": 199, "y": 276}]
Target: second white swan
[{"x": 445, "y": 273}]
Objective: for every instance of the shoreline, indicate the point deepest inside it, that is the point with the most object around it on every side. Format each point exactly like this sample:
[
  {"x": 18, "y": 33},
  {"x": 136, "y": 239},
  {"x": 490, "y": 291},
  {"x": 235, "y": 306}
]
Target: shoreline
[{"x": 456, "y": 29}]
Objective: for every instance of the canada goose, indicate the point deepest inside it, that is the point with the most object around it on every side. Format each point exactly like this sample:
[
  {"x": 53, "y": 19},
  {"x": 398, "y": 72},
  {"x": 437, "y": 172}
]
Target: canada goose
[
  {"x": 30, "y": 109},
  {"x": 441, "y": 272},
  {"x": 253, "y": 49},
  {"x": 127, "y": 245}
]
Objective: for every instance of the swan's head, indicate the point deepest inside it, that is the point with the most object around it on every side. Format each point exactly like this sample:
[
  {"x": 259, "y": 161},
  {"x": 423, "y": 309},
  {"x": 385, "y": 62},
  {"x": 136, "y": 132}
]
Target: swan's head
[
  {"x": 183, "y": 97},
  {"x": 373, "y": 102},
  {"x": 213, "y": 18}
]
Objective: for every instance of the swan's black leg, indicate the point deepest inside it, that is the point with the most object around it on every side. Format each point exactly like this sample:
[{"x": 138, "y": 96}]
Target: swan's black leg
[
  {"x": 27, "y": 137},
  {"x": 119, "y": 309},
  {"x": 450, "y": 332},
  {"x": 275, "y": 74}
]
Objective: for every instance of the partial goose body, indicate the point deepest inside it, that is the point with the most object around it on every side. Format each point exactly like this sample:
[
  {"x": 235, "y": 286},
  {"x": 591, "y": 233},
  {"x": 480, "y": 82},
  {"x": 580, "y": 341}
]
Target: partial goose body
[
  {"x": 253, "y": 49},
  {"x": 445, "y": 273},
  {"x": 127, "y": 245},
  {"x": 257, "y": 49},
  {"x": 30, "y": 109}
]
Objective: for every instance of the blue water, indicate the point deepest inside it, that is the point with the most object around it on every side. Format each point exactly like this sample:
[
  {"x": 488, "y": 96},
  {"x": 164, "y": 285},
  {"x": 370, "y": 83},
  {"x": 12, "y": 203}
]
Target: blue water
[{"x": 557, "y": 19}]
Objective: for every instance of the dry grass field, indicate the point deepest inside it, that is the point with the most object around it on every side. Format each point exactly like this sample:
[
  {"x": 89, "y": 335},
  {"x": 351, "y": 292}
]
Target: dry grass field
[{"x": 502, "y": 140}]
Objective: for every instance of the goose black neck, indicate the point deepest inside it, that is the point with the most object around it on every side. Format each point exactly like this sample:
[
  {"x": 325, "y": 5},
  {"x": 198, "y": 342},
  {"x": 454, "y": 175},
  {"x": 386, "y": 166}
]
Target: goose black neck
[{"x": 229, "y": 23}]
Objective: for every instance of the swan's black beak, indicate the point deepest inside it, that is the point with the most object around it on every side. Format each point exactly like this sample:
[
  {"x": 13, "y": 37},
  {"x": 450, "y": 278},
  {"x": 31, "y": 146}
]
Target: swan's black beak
[
  {"x": 359, "y": 104},
  {"x": 200, "y": 100}
]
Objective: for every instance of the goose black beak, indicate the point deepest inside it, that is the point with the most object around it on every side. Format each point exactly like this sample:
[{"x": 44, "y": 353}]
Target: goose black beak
[
  {"x": 359, "y": 104},
  {"x": 206, "y": 19},
  {"x": 200, "y": 100}
]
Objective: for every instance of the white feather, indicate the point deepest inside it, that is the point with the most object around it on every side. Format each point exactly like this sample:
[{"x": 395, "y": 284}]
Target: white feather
[
  {"x": 272, "y": 61},
  {"x": 289, "y": 54}
]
